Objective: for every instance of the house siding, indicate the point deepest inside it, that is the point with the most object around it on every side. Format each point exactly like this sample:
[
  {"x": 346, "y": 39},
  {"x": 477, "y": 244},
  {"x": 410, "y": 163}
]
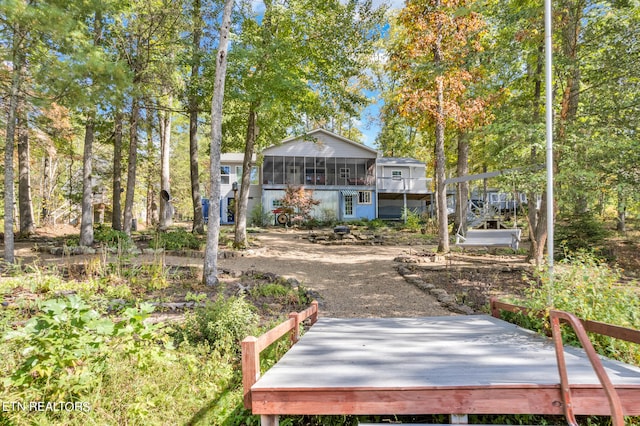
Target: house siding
[{"x": 323, "y": 145}]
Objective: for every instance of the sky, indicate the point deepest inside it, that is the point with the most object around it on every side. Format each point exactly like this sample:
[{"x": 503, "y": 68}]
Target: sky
[
  {"x": 370, "y": 128},
  {"x": 366, "y": 123}
]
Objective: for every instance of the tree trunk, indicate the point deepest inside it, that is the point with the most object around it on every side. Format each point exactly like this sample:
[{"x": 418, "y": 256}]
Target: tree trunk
[
  {"x": 621, "y": 226},
  {"x": 131, "y": 166},
  {"x": 166, "y": 210},
  {"x": 9, "y": 198},
  {"x": 151, "y": 218},
  {"x": 441, "y": 188},
  {"x": 210, "y": 270},
  {"x": 49, "y": 167},
  {"x": 194, "y": 106},
  {"x": 27, "y": 226},
  {"x": 86, "y": 224},
  {"x": 539, "y": 240},
  {"x": 116, "y": 219},
  {"x": 462, "y": 200},
  {"x": 243, "y": 202}
]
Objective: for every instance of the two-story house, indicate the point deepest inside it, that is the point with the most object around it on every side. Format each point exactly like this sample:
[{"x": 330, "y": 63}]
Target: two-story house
[
  {"x": 230, "y": 180},
  {"x": 350, "y": 180}
]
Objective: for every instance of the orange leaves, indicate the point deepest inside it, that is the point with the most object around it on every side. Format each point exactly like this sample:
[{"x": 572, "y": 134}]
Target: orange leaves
[{"x": 438, "y": 38}]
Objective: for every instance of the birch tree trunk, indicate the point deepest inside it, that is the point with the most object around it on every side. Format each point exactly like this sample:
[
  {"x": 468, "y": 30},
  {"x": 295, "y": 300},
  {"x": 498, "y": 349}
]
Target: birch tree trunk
[
  {"x": 86, "y": 224},
  {"x": 27, "y": 226},
  {"x": 9, "y": 198},
  {"x": 116, "y": 218},
  {"x": 210, "y": 272},
  {"x": 131, "y": 166},
  {"x": 166, "y": 211}
]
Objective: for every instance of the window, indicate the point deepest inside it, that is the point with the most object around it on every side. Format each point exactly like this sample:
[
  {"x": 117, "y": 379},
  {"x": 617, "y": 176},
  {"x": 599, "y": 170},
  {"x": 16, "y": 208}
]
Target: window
[
  {"x": 364, "y": 197},
  {"x": 276, "y": 203},
  {"x": 345, "y": 173},
  {"x": 396, "y": 174},
  {"x": 224, "y": 174},
  {"x": 254, "y": 175}
]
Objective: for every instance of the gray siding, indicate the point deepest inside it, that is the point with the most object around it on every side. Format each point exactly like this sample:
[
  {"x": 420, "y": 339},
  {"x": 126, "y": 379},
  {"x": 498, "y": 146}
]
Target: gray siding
[{"x": 325, "y": 145}]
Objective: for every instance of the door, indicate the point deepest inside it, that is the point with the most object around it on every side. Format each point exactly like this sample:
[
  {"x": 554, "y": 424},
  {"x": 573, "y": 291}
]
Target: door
[
  {"x": 348, "y": 207},
  {"x": 231, "y": 209}
]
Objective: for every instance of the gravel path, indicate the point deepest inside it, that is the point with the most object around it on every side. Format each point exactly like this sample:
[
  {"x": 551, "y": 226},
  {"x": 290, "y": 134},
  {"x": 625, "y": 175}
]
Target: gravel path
[{"x": 353, "y": 281}]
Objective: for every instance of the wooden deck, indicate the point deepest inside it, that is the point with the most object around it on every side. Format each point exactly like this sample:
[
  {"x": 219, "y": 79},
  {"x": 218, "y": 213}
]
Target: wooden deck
[{"x": 434, "y": 365}]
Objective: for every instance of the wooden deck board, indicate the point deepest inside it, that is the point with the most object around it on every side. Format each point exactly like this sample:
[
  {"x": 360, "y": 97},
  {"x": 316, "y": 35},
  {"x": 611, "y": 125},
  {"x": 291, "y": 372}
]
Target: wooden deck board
[{"x": 430, "y": 365}]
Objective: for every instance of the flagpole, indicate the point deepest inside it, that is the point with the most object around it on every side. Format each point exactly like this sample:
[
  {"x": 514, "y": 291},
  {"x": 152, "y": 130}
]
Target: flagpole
[{"x": 548, "y": 32}]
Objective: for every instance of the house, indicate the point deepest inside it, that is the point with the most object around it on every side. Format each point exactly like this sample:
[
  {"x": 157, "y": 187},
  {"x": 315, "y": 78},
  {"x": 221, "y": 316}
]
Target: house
[
  {"x": 350, "y": 180},
  {"x": 230, "y": 179},
  {"x": 340, "y": 172},
  {"x": 401, "y": 184}
]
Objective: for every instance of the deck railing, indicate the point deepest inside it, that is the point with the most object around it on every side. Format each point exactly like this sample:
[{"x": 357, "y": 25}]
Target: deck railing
[
  {"x": 580, "y": 327},
  {"x": 253, "y": 346}
]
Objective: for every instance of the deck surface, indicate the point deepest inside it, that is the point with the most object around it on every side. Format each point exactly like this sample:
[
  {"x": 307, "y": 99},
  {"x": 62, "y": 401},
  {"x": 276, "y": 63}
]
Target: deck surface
[{"x": 406, "y": 361}]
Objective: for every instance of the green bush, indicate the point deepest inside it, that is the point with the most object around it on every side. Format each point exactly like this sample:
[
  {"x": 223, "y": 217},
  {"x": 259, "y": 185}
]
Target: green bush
[
  {"x": 590, "y": 289},
  {"x": 413, "y": 221},
  {"x": 376, "y": 224},
  {"x": 65, "y": 347},
  {"x": 177, "y": 240},
  {"x": 580, "y": 232},
  {"x": 259, "y": 217},
  {"x": 222, "y": 323},
  {"x": 111, "y": 237}
]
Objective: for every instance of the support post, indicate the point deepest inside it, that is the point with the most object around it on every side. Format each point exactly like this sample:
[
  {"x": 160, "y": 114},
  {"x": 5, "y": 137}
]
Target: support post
[
  {"x": 270, "y": 420},
  {"x": 250, "y": 367},
  {"x": 459, "y": 419}
]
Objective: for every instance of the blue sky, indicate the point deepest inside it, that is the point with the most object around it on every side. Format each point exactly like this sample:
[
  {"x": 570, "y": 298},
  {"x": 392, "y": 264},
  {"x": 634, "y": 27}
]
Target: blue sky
[{"x": 368, "y": 124}]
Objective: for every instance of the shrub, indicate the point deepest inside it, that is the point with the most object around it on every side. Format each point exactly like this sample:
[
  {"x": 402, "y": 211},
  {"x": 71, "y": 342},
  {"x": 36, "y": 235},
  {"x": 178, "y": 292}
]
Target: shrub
[
  {"x": 580, "y": 232},
  {"x": 258, "y": 217},
  {"x": 222, "y": 323},
  {"x": 588, "y": 288},
  {"x": 65, "y": 347},
  {"x": 177, "y": 240},
  {"x": 413, "y": 221},
  {"x": 111, "y": 237}
]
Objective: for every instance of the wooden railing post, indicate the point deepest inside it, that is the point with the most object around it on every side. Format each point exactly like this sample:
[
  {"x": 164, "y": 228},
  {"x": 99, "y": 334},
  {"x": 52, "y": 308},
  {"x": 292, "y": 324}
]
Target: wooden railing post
[
  {"x": 252, "y": 346},
  {"x": 295, "y": 332},
  {"x": 250, "y": 367}
]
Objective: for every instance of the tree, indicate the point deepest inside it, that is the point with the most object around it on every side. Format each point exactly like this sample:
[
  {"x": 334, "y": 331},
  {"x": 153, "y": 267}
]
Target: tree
[
  {"x": 210, "y": 273},
  {"x": 298, "y": 203},
  {"x": 431, "y": 58},
  {"x": 301, "y": 59},
  {"x": 19, "y": 34}
]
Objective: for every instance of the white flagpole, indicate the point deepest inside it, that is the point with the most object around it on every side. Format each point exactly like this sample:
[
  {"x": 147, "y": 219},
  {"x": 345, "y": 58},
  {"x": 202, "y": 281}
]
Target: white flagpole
[{"x": 548, "y": 31}]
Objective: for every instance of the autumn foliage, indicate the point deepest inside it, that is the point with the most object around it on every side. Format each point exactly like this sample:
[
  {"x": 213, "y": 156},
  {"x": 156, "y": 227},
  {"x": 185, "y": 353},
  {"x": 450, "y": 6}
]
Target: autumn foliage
[
  {"x": 298, "y": 203},
  {"x": 436, "y": 44}
]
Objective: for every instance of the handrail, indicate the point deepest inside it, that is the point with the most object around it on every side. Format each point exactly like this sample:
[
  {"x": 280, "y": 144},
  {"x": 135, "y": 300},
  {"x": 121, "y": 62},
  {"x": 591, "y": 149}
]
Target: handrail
[
  {"x": 253, "y": 346},
  {"x": 604, "y": 329},
  {"x": 580, "y": 327},
  {"x": 617, "y": 415}
]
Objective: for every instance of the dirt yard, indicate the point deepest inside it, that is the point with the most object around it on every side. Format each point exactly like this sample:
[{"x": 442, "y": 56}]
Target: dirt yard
[{"x": 354, "y": 280}]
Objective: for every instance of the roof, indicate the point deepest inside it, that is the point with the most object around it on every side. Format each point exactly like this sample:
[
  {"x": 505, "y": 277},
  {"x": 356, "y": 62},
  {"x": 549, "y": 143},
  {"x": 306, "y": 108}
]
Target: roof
[
  {"x": 328, "y": 133},
  {"x": 234, "y": 157},
  {"x": 400, "y": 161}
]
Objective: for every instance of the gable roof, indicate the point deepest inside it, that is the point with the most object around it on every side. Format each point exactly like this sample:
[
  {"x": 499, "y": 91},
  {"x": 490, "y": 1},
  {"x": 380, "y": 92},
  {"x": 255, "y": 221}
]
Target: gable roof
[
  {"x": 323, "y": 132},
  {"x": 400, "y": 161}
]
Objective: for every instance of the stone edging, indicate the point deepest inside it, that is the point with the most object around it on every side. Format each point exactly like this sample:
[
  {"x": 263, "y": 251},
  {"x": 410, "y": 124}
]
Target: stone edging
[{"x": 446, "y": 300}]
